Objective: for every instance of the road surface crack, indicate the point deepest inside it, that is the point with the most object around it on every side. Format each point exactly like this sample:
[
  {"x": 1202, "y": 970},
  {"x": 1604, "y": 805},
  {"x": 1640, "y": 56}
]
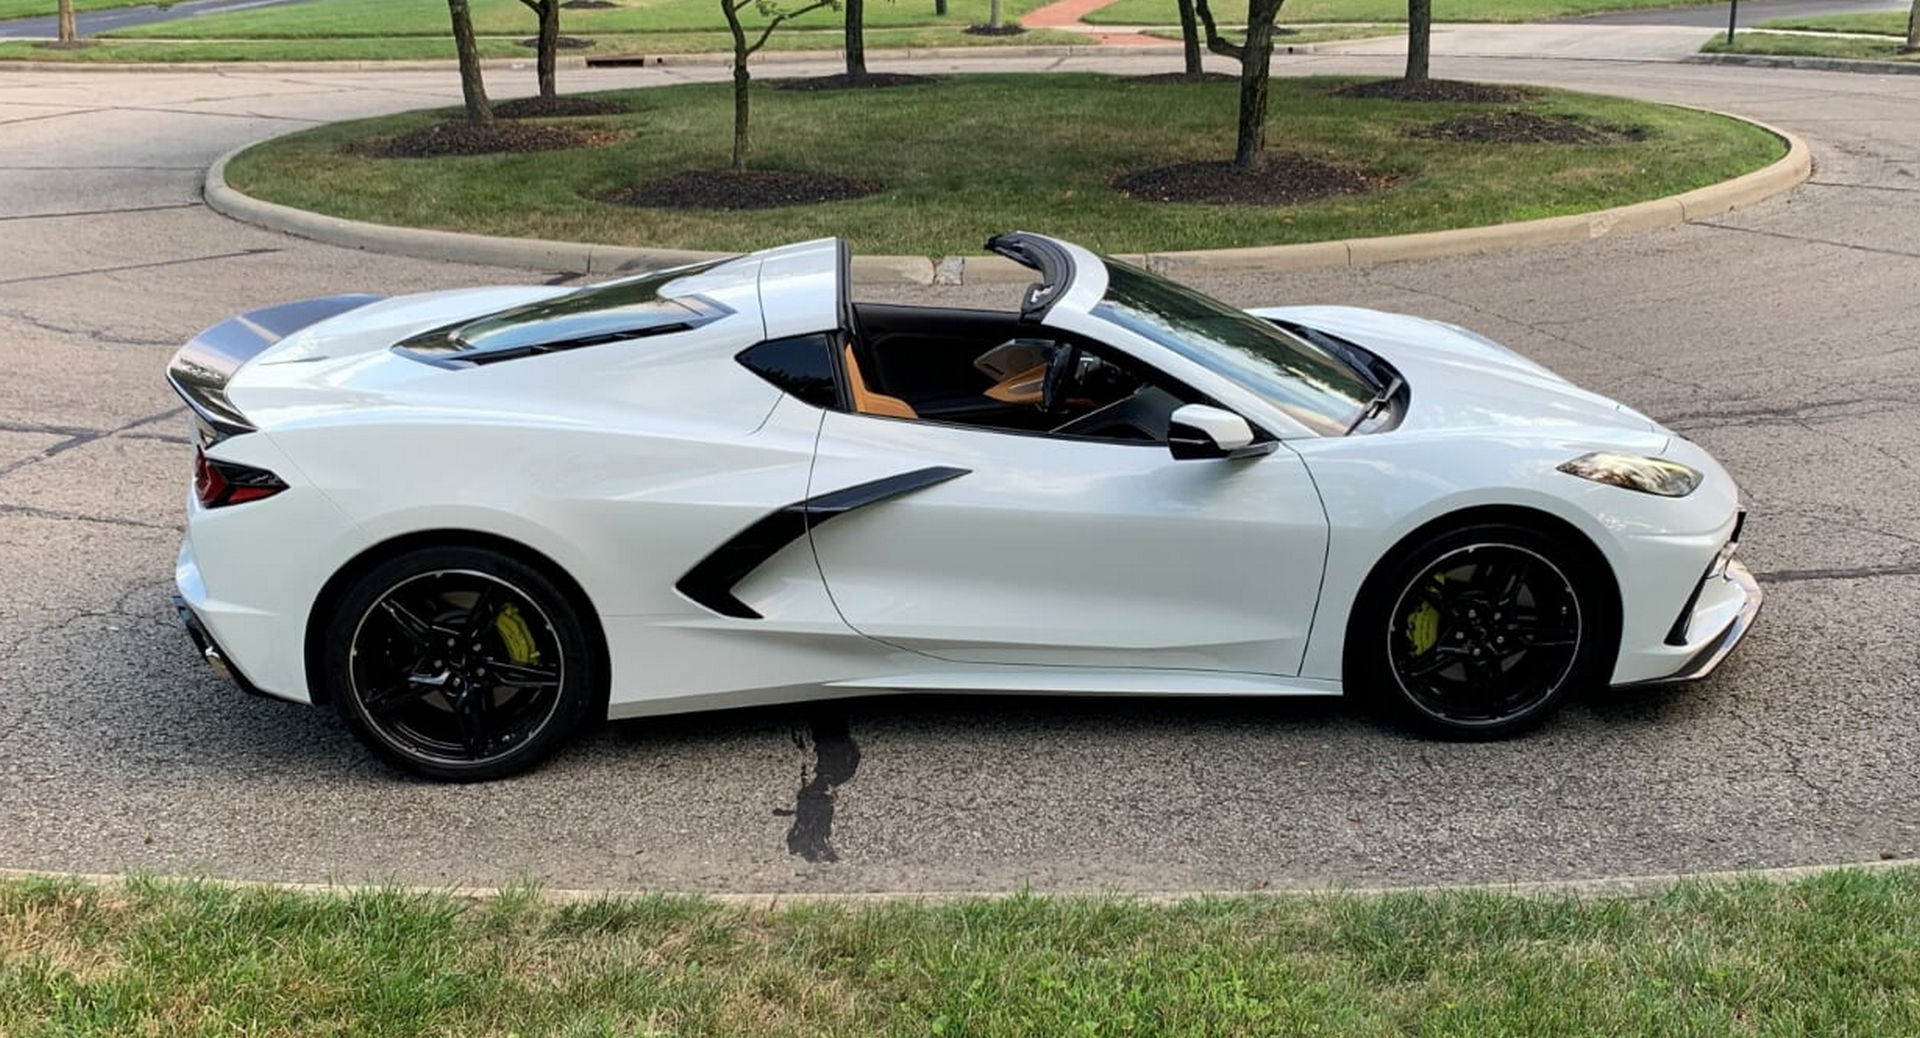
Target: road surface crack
[
  {"x": 1810, "y": 239},
  {"x": 241, "y": 254},
  {"x": 92, "y": 334},
  {"x": 103, "y": 212}
]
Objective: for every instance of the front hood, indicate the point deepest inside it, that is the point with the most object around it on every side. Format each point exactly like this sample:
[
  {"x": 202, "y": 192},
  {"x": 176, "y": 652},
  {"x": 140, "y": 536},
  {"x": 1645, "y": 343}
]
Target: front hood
[{"x": 1461, "y": 381}]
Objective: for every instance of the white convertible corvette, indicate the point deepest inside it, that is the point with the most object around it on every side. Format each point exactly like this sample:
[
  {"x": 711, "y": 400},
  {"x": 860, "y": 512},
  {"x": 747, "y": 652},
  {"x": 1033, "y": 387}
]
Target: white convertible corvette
[{"x": 475, "y": 520}]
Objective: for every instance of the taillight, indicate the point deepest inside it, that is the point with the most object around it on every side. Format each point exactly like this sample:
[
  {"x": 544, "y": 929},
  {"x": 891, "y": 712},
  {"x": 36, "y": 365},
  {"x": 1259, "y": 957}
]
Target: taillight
[{"x": 221, "y": 483}]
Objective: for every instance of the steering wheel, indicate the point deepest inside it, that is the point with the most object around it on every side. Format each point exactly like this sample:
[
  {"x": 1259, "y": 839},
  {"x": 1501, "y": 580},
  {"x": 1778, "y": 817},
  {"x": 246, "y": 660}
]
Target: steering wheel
[{"x": 1063, "y": 370}]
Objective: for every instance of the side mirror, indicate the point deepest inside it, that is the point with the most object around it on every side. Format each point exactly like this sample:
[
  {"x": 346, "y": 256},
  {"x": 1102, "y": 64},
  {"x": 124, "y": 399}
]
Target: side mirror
[{"x": 1202, "y": 431}]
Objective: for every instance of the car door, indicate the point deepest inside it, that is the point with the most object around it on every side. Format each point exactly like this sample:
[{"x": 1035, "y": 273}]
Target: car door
[{"x": 980, "y": 545}]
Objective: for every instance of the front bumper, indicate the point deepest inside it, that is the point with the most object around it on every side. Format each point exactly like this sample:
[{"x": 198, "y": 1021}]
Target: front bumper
[{"x": 1739, "y": 582}]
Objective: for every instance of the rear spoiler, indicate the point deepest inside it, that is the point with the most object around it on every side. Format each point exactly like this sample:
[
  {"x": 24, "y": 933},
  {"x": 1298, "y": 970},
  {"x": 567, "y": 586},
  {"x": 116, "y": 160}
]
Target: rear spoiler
[{"x": 202, "y": 368}]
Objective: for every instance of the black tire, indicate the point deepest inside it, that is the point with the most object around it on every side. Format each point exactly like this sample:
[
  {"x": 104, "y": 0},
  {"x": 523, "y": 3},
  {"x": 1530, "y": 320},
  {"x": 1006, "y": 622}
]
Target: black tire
[
  {"x": 1481, "y": 631},
  {"x": 461, "y": 664}
]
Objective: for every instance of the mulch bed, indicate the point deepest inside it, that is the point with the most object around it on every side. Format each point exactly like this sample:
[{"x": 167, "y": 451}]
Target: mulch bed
[
  {"x": 588, "y": 5},
  {"x": 551, "y": 107},
  {"x": 459, "y": 138},
  {"x": 744, "y": 189},
  {"x": 1448, "y": 90},
  {"x": 1278, "y": 179},
  {"x": 559, "y": 43},
  {"x": 1181, "y": 77},
  {"x": 873, "y": 80},
  {"x": 1521, "y": 128},
  {"x": 988, "y": 30}
]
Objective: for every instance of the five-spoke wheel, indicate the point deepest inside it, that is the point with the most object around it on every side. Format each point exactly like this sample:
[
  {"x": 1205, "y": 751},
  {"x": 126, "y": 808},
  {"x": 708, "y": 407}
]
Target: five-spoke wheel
[
  {"x": 459, "y": 663},
  {"x": 1479, "y": 632}
]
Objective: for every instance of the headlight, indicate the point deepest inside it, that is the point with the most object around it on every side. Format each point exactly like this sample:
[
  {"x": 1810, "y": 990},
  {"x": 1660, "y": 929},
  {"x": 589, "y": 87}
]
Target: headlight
[{"x": 1647, "y": 475}]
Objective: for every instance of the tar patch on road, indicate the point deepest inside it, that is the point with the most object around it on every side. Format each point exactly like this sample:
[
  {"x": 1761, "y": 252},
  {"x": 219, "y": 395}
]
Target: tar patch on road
[{"x": 835, "y": 758}]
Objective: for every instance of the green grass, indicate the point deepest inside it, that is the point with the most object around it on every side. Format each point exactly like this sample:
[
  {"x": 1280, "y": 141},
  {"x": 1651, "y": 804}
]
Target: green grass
[
  {"x": 422, "y": 48},
  {"x": 1309, "y": 34},
  {"x": 1886, "y": 23},
  {"x": 1165, "y": 12},
  {"x": 1834, "y": 955},
  {"x": 510, "y": 17},
  {"x": 49, "y": 8},
  {"x": 1855, "y": 47},
  {"x": 973, "y": 155}
]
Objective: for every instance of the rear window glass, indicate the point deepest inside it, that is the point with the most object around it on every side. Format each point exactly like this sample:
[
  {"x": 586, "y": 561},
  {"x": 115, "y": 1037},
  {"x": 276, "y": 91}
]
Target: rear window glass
[{"x": 630, "y": 308}]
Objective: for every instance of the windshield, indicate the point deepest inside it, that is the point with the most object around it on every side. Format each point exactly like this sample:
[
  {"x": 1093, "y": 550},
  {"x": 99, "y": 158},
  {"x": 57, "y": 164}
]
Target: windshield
[
  {"x": 1314, "y": 387},
  {"x": 630, "y": 308}
]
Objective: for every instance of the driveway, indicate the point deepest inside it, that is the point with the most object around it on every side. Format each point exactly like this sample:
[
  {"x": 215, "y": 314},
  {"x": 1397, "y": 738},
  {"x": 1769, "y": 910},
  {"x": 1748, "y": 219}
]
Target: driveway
[{"x": 1781, "y": 337}]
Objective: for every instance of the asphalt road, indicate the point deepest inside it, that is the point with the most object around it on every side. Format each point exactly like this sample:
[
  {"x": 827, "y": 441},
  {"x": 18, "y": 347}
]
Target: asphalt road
[
  {"x": 93, "y": 23},
  {"x": 1782, "y": 337}
]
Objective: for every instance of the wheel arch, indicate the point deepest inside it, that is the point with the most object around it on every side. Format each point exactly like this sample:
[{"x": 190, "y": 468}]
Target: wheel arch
[
  {"x": 336, "y": 587},
  {"x": 1536, "y": 519}
]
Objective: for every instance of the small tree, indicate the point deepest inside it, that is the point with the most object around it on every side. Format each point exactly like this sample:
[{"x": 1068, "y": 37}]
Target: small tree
[
  {"x": 1913, "y": 28},
  {"x": 68, "y": 34},
  {"x": 1255, "y": 55},
  {"x": 742, "y": 50},
  {"x": 1190, "y": 39},
  {"x": 472, "y": 87},
  {"x": 994, "y": 15},
  {"x": 547, "y": 45},
  {"x": 1420, "y": 39}
]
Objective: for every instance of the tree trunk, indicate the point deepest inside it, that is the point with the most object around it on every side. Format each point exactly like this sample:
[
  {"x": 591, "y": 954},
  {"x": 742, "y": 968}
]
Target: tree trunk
[
  {"x": 940, "y": 8},
  {"x": 1256, "y": 60},
  {"x": 472, "y": 87},
  {"x": 549, "y": 47},
  {"x": 856, "y": 40},
  {"x": 741, "y": 145},
  {"x": 1913, "y": 28},
  {"x": 1419, "y": 40},
  {"x": 1190, "y": 39},
  {"x": 993, "y": 15},
  {"x": 68, "y": 34}
]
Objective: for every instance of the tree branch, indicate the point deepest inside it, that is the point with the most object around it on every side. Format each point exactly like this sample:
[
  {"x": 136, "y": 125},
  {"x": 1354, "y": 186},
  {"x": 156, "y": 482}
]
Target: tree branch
[
  {"x": 1216, "y": 42},
  {"x": 785, "y": 16}
]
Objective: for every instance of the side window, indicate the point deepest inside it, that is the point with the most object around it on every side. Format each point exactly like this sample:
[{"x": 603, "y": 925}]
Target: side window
[{"x": 801, "y": 365}]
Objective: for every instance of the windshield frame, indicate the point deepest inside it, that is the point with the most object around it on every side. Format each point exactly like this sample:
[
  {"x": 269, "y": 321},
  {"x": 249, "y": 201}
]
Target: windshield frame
[{"x": 1189, "y": 324}]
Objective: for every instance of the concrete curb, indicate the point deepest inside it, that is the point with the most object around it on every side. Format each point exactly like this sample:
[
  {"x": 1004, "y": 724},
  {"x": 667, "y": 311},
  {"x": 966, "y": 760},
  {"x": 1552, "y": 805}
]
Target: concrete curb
[
  {"x": 1628, "y": 887},
  {"x": 589, "y": 258},
  {"x": 1877, "y": 68}
]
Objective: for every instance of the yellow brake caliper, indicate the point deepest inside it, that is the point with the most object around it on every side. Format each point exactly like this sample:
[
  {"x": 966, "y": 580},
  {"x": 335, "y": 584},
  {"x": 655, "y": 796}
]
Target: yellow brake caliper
[
  {"x": 518, "y": 637},
  {"x": 1423, "y": 624}
]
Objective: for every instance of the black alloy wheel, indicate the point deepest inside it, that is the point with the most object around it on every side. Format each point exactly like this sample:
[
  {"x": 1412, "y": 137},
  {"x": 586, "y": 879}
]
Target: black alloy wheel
[
  {"x": 460, "y": 663},
  {"x": 1480, "y": 633}
]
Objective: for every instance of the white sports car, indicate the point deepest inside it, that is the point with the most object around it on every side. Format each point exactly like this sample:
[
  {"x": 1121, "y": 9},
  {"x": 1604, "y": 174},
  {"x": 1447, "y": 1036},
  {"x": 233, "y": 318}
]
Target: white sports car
[{"x": 475, "y": 520}]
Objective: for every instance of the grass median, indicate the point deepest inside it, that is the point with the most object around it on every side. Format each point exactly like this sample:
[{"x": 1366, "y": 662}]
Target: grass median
[
  {"x": 1165, "y": 12},
  {"x": 422, "y": 48},
  {"x": 1885, "y": 23},
  {"x": 378, "y": 18},
  {"x": 1835, "y": 954},
  {"x": 1855, "y": 48},
  {"x": 968, "y": 156}
]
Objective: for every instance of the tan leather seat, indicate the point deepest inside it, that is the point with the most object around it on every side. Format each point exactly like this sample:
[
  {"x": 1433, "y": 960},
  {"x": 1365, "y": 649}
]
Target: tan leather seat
[{"x": 865, "y": 400}]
